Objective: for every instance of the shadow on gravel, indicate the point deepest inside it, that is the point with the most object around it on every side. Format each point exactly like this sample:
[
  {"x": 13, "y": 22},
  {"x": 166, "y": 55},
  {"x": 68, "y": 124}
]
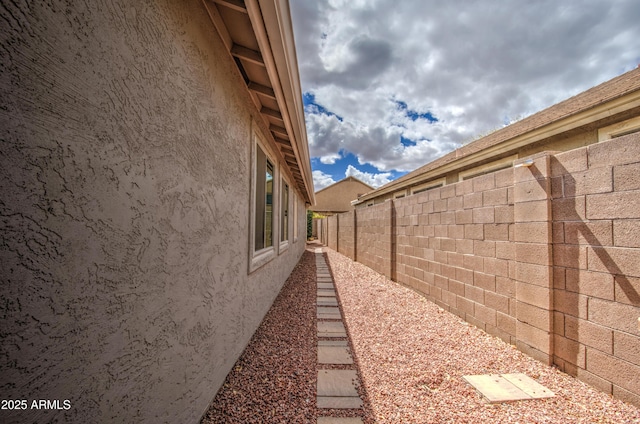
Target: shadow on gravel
[{"x": 274, "y": 381}]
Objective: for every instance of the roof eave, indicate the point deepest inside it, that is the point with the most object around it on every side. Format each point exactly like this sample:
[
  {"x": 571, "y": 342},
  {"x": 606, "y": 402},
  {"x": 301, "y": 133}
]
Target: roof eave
[{"x": 567, "y": 123}]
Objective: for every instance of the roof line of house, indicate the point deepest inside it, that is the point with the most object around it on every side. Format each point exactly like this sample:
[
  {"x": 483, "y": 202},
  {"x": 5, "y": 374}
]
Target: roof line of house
[
  {"x": 279, "y": 36},
  {"x": 272, "y": 30},
  {"x": 614, "y": 96},
  {"x": 345, "y": 179}
]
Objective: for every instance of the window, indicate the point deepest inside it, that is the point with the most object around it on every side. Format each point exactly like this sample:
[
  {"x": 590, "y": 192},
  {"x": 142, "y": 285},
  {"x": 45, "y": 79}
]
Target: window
[
  {"x": 284, "y": 212},
  {"x": 295, "y": 217},
  {"x": 428, "y": 186},
  {"x": 619, "y": 129},
  {"x": 264, "y": 201},
  {"x": 487, "y": 168}
]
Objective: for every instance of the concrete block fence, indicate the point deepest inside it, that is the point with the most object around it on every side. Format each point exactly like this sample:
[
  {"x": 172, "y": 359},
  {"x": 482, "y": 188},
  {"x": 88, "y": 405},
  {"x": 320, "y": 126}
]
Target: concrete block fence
[{"x": 544, "y": 255}]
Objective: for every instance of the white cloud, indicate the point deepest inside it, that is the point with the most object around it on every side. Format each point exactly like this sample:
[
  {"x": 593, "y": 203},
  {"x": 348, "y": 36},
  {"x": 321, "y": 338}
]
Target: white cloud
[
  {"x": 374, "y": 180},
  {"x": 322, "y": 180},
  {"x": 473, "y": 68}
]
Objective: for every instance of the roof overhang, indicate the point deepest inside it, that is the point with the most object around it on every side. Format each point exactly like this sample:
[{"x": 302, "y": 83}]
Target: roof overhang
[
  {"x": 258, "y": 35},
  {"x": 459, "y": 159}
]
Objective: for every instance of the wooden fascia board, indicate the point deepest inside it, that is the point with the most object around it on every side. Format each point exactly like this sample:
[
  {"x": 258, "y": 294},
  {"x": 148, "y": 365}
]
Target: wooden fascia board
[
  {"x": 272, "y": 24},
  {"x": 596, "y": 113}
]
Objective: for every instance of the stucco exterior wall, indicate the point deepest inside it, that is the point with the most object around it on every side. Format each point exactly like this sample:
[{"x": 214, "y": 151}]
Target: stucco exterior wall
[
  {"x": 125, "y": 198},
  {"x": 338, "y": 197}
]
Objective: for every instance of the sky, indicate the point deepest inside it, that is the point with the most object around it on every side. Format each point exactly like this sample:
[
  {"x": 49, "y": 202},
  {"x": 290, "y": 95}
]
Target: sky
[{"x": 390, "y": 85}]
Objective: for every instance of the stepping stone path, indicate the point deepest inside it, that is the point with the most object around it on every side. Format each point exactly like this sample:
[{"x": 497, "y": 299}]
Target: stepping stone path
[{"x": 337, "y": 388}]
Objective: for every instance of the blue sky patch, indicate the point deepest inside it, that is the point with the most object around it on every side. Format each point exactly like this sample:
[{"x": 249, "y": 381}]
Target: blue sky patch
[
  {"x": 413, "y": 114},
  {"x": 308, "y": 99}
]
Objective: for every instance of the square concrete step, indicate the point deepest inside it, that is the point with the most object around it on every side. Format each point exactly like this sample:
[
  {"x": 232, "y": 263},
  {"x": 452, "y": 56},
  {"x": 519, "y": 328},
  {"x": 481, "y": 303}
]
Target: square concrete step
[
  {"x": 340, "y": 420},
  {"x": 336, "y": 355},
  {"x": 329, "y": 286},
  {"x": 332, "y": 343},
  {"x": 328, "y": 312},
  {"x": 326, "y": 293},
  {"x": 337, "y": 383},
  {"x": 327, "y": 301},
  {"x": 337, "y": 389},
  {"x": 337, "y": 402},
  {"x": 331, "y": 329}
]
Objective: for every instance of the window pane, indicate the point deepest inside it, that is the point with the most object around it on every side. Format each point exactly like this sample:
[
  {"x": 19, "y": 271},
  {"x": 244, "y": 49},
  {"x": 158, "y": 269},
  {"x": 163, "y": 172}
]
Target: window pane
[
  {"x": 284, "y": 219},
  {"x": 295, "y": 216},
  {"x": 264, "y": 201},
  {"x": 261, "y": 161},
  {"x": 268, "y": 219}
]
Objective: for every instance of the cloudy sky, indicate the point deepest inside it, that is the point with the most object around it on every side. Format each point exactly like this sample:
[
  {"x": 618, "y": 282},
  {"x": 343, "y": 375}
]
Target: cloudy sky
[{"x": 390, "y": 85}]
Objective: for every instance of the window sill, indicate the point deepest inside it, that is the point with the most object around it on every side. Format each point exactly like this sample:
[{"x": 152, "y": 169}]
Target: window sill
[{"x": 261, "y": 258}]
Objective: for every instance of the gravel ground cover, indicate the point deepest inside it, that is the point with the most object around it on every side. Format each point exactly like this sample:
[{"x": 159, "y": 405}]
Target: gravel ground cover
[
  {"x": 412, "y": 355},
  {"x": 274, "y": 381}
]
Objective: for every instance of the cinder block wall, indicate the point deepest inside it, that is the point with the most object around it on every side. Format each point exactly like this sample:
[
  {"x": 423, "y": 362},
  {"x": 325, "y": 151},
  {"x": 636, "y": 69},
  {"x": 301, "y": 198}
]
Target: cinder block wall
[
  {"x": 346, "y": 235},
  {"x": 332, "y": 234},
  {"x": 596, "y": 246},
  {"x": 453, "y": 246},
  {"x": 545, "y": 255},
  {"x": 373, "y": 237}
]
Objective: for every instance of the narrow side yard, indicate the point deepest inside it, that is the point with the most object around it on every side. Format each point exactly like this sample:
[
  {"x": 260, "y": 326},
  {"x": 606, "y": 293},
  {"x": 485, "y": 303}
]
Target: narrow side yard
[
  {"x": 412, "y": 355},
  {"x": 274, "y": 381}
]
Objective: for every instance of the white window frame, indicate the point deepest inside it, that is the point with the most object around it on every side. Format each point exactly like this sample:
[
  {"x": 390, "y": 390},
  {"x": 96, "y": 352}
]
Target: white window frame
[
  {"x": 619, "y": 129},
  {"x": 294, "y": 199},
  {"x": 284, "y": 244},
  {"x": 488, "y": 168},
  {"x": 400, "y": 194},
  {"x": 427, "y": 186},
  {"x": 258, "y": 258}
]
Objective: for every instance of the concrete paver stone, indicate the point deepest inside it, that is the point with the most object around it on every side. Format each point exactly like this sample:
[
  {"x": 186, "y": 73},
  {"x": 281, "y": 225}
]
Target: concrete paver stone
[
  {"x": 333, "y": 343},
  {"x": 339, "y": 420},
  {"x": 334, "y": 355},
  {"x": 327, "y": 301},
  {"x": 333, "y": 402},
  {"x": 328, "y": 312},
  {"x": 337, "y": 383},
  {"x": 331, "y": 329}
]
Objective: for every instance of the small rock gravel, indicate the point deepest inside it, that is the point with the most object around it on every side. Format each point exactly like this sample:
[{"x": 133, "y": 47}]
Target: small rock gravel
[
  {"x": 274, "y": 381},
  {"x": 411, "y": 356}
]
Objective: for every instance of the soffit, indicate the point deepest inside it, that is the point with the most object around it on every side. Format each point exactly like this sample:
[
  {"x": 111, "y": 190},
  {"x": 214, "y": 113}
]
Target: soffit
[{"x": 233, "y": 21}]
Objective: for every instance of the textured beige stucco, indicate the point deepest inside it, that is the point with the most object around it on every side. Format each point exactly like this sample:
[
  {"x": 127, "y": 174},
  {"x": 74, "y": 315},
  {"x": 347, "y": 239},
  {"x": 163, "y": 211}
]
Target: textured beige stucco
[
  {"x": 337, "y": 197},
  {"x": 124, "y": 207}
]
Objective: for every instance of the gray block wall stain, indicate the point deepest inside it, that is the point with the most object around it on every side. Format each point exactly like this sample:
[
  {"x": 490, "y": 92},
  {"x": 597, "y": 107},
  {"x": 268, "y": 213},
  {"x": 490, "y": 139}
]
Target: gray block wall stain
[{"x": 124, "y": 184}]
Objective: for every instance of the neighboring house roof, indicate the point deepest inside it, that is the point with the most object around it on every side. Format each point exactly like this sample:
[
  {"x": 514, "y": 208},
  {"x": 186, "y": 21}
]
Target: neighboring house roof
[
  {"x": 614, "y": 96},
  {"x": 259, "y": 36},
  {"x": 338, "y": 196}
]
